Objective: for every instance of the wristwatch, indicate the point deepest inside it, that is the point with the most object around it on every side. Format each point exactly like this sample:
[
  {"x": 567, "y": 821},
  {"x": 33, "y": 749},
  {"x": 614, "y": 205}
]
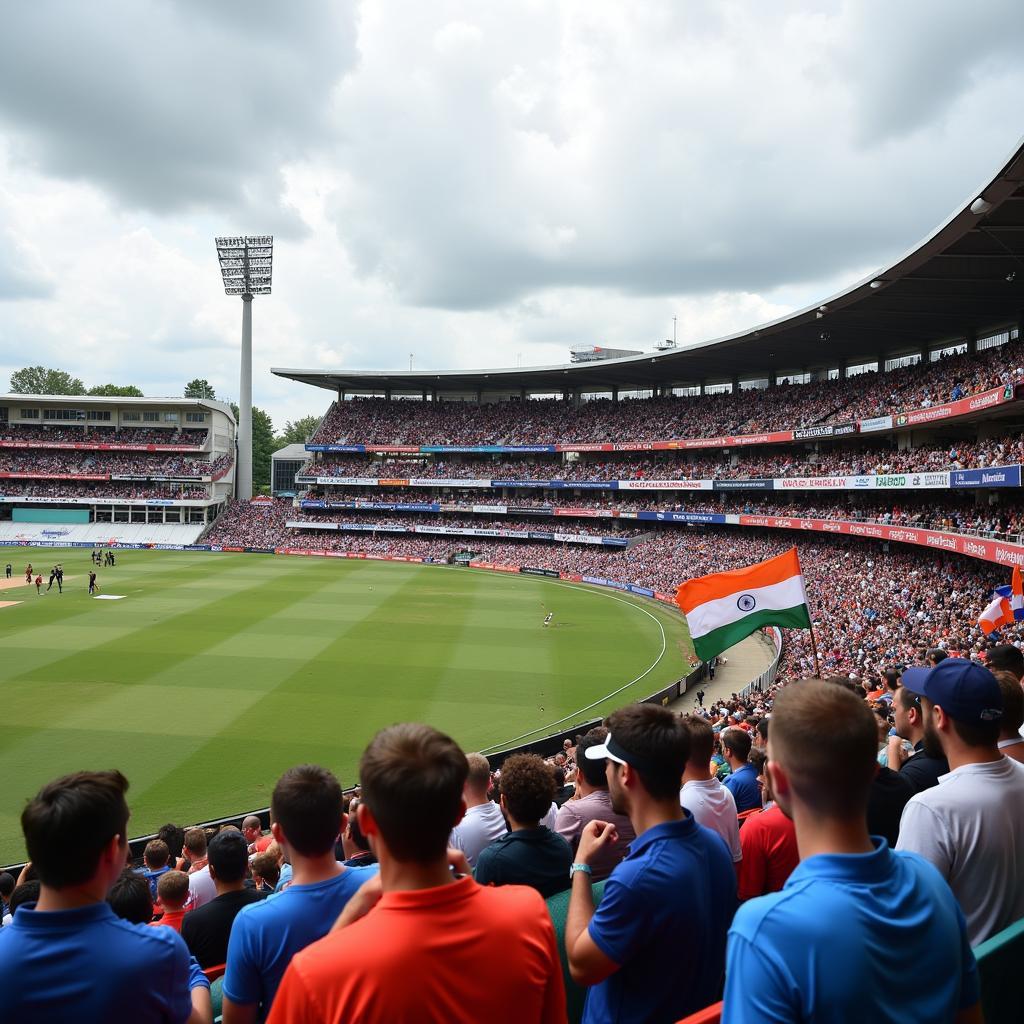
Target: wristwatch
[{"x": 585, "y": 868}]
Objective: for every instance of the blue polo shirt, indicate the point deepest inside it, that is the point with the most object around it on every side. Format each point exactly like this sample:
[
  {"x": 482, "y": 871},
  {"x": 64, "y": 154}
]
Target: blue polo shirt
[
  {"x": 851, "y": 930},
  {"x": 742, "y": 783},
  {"x": 663, "y": 919},
  {"x": 266, "y": 935},
  {"x": 89, "y": 965}
]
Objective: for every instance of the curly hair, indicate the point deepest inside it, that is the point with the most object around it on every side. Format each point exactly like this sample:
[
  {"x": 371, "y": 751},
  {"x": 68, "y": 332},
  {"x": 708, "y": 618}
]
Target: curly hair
[{"x": 528, "y": 786}]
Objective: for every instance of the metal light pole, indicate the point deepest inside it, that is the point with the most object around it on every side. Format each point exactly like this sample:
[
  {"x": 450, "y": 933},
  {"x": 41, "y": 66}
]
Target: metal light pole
[{"x": 246, "y": 264}]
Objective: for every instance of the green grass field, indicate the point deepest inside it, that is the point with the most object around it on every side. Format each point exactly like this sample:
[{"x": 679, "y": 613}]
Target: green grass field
[{"x": 218, "y": 671}]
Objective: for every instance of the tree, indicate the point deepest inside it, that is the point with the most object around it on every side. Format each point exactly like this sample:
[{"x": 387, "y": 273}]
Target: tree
[
  {"x": 200, "y": 388},
  {"x": 116, "y": 391},
  {"x": 263, "y": 446},
  {"x": 298, "y": 432},
  {"x": 38, "y": 380}
]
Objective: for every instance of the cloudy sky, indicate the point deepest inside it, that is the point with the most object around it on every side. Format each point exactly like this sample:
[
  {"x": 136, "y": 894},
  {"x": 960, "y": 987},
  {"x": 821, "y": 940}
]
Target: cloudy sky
[{"x": 473, "y": 183}]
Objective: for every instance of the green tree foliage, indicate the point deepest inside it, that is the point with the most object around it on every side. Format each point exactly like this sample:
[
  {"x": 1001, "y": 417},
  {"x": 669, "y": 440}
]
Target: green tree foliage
[
  {"x": 299, "y": 431},
  {"x": 39, "y": 380},
  {"x": 116, "y": 391},
  {"x": 264, "y": 444},
  {"x": 199, "y": 388}
]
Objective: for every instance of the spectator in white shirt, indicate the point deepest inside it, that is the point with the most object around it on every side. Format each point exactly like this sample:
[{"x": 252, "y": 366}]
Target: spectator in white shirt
[
  {"x": 971, "y": 825},
  {"x": 702, "y": 794},
  {"x": 483, "y": 822}
]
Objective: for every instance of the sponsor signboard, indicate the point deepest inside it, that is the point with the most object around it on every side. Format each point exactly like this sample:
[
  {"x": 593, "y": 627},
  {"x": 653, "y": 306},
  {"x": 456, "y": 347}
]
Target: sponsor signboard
[
  {"x": 875, "y": 423},
  {"x": 490, "y": 449},
  {"x": 961, "y": 407},
  {"x": 994, "y": 476},
  {"x": 744, "y": 485},
  {"x": 681, "y": 517},
  {"x": 664, "y": 485},
  {"x": 82, "y": 446},
  {"x": 528, "y": 510},
  {"x": 527, "y": 570},
  {"x": 442, "y": 481}
]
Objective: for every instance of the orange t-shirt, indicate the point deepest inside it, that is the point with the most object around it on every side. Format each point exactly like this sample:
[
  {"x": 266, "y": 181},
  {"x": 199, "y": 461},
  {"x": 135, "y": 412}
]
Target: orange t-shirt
[
  {"x": 170, "y": 919},
  {"x": 459, "y": 952},
  {"x": 263, "y": 843}
]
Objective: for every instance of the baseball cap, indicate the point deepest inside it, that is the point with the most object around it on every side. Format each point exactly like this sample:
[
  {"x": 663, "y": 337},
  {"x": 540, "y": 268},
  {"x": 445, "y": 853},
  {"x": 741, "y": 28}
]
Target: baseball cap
[
  {"x": 965, "y": 690},
  {"x": 614, "y": 751}
]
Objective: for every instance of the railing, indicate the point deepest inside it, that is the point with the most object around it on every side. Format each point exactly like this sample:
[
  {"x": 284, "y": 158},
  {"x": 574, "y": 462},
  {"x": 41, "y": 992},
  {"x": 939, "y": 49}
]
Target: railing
[{"x": 767, "y": 677}]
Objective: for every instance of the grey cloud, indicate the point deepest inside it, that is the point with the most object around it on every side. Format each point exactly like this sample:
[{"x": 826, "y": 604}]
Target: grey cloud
[
  {"x": 21, "y": 276},
  {"x": 169, "y": 107}
]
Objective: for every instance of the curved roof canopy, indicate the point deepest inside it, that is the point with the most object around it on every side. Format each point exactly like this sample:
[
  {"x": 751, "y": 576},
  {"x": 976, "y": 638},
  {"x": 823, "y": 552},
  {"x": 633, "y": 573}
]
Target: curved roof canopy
[{"x": 966, "y": 278}]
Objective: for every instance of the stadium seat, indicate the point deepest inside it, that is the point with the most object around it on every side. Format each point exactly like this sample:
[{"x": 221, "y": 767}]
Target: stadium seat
[
  {"x": 213, "y": 973},
  {"x": 999, "y": 960},
  {"x": 709, "y": 1015},
  {"x": 217, "y": 998},
  {"x": 558, "y": 908}
]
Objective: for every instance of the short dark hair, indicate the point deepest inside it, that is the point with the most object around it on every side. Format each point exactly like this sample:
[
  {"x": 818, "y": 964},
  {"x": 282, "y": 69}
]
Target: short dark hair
[
  {"x": 1013, "y": 701},
  {"x": 156, "y": 853},
  {"x": 70, "y": 821},
  {"x": 762, "y": 729},
  {"x": 977, "y": 734},
  {"x": 592, "y": 770},
  {"x": 266, "y": 866},
  {"x": 306, "y": 803},
  {"x": 174, "y": 837},
  {"x": 6, "y": 885},
  {"x": 935, "y": 655},
  {"x": 657, "y": 736},
  {"x": 891, "y": 678},
  {"x": 1006, "y": 657},
  {"x": 528, "y": 787},
  {"x": 702, "y": 739},
  {"x": 832, "y": 778},
  {"x": 131, "y": 898},
  {"x": 173, "y": 887},
  {"x": 228, "y": 856},
  {"x": 412, "y": 777},
  {"x": 355, "y": 833},
  {"x": 195, "y": 841},
  {"x": 738, "y": 741},
  {"x": 27, "y": 892}
]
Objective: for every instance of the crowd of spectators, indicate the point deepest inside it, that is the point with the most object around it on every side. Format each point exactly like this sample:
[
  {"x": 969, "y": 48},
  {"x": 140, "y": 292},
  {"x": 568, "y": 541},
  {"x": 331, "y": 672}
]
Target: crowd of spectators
[
  {"x": 551, "y": 421},
  {"x": 87, "y": 491},
  {"x": 55, "y": 462},
  {"x": 865, "y": 459},
  {"x": 103, "y": 435}
]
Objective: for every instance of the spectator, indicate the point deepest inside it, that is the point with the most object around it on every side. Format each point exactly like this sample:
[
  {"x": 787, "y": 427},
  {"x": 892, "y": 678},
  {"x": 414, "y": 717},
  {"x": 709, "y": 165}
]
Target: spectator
[
  {"x": 594, "y": 804},
  {"x": 921, "y": 770},
  {"x": 253, "y": 832},
  {"x": 530, "y": 854},
  {"x": 483, "y": 822},
  {"x": 70, "y": 950},
  {"x": 200, "y": 884},
  {"x": 465, "y": 952},
  {"x": 1011, "y": 743},
  {"x": 130, "y": 898},
  {"x": 306, "y": 817},
  {"x": 266, "y": 870},
  {"x": 172, "y": 890},
  {"x": 155, "y": 858},
  {"x": 355, "y": 846},
  {"x": 174, "y": 837},
  {"x": 26, "y": 892},
  {"x": 710, "y": 803},
  {"x": 970, "y": 826},
  {"x": 1007, "y": 658},
  {"x": 206, "y": 930},
  {"x": 6, "y": 889},
  {"x": 742, "y": 780},
  {"x": 655, "y": 947},
  {"x": 759, "y": 739},
  {"x": 852, "y": 901}
]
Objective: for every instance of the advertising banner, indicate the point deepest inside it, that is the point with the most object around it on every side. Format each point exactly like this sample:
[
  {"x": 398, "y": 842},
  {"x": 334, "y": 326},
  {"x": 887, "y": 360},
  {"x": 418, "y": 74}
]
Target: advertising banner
[
  {"x": 527, "y": 570},
  {"x": 875, "y": 423},
  {"x": 187, "y": 502},
  {"x": 441, "y": 481},
  {"x": 664, "y": 485},
  {"x": 744, "y": 485},
  {"x": 83, "y": 446},
  {"x": 961, "y": 407},
  {"x": 351, "y": 448},
  {"x": 529, "y": 510},
  {"x": 994, "y": 476},
  {"x": 812, "y": 483},
  {"x": 491, "y": 449},
  {"x": 533, "y": 535},
  {"x": 498, "y": 510},
  {"x": 54, "y": 476},
  {"x": 682, "y": 517},
  {"x": 585, "y": 512}
]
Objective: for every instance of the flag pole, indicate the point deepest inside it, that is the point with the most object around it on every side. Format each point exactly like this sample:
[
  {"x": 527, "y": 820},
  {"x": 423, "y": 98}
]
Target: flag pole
[{"x": 814, "y": 649}]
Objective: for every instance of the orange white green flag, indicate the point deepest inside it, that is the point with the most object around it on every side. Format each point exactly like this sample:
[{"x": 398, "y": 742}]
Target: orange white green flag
[{"x": 723, "y": 608}]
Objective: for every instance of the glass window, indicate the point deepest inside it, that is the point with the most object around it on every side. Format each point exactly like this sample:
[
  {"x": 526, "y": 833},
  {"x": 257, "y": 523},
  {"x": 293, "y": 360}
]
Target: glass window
[{"x": 30, "y": 414}]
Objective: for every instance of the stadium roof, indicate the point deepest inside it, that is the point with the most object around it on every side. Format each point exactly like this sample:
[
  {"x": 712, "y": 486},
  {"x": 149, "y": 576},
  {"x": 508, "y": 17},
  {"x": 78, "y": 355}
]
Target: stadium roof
[
  {"x": 202, "y": 403},
  {"x": 967, "y": 277}
]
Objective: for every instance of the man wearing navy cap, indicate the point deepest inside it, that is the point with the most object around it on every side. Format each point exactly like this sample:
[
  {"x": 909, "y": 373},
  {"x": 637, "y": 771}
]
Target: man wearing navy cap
[{"x": 970, "y": 826}]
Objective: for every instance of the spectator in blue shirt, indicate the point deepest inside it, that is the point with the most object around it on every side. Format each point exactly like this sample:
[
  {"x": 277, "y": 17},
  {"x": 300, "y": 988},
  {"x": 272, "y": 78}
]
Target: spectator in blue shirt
[
  {"x": 855, "y": 920},
  {"x": 742, "y": 780},
  {"x": 306, "y": 816},
  {"x": 654, "y": 950},
  {"x": 68, "y": 956}
]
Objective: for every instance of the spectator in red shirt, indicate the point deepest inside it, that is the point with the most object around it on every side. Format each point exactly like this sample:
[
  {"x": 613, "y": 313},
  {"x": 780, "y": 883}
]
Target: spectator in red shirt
[
  {"x": 172, "y": 889},
  {"x": 416, "y": 942},
  {"x": 768, "y": 845}
]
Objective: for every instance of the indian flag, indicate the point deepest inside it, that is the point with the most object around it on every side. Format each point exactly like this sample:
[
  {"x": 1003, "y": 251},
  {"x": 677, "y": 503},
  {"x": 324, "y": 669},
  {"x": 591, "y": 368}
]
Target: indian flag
[{"x": 725, "y": 607}]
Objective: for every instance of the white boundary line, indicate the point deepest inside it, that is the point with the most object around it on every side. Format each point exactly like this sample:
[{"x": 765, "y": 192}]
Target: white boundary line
[{"x": 549, "y": 727}]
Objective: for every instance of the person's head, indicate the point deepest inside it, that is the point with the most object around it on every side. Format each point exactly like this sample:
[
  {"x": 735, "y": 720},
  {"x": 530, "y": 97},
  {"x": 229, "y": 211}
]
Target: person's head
[
  {"x": 27, "y": 892},
  {"x": 228, "y": 855},
  {"x": 76, "y": 829},
  {"x": 592, "y": 770},
  {"x": 828, "y": 780},
  {"x": 195, "y": 844},
  {"x": 174, "y": 837},
  {"x": 172, "y": 890},
  {"x": 908, "y": 715},
  {"x": 478, "y": 778},
  {"x": 251, "y": 828},
  {"x": 1006, "y": 658},
  {"x": 412, "y": 779},
  {"x": 647, "y": 750},
  {"x": 1013, "y": 704},
  {"x": 156, "y": 855},
  {"x": 760, "y": 737},
  {"x": 527, "y": 788},
  {"x": 130, "y": 898},
  {"x": 305, "y": 809},
  {"x": 934, "y": 655},
  {"x": 266, "y": 868},
  {"x": 735, "y": 745},
  {"x": 702, "y": 743},
  {"x": 6, "y": 886},
  {"x": 566, "y": 746},
  {"x": 962, "y": 705},
  {"x": 357, "y": 842}
]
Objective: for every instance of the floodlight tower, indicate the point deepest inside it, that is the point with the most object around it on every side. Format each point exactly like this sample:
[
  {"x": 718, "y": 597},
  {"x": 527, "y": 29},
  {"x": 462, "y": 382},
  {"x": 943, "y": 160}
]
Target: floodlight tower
[{"x": 246, "y": 263}]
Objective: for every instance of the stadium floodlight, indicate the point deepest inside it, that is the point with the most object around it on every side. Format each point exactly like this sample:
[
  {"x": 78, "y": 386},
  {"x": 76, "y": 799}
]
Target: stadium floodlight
[{"x": 246, "y": 265}]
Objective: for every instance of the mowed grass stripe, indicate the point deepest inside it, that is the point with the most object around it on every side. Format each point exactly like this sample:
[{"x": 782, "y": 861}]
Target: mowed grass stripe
[{"x": 215, "y": 673}]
